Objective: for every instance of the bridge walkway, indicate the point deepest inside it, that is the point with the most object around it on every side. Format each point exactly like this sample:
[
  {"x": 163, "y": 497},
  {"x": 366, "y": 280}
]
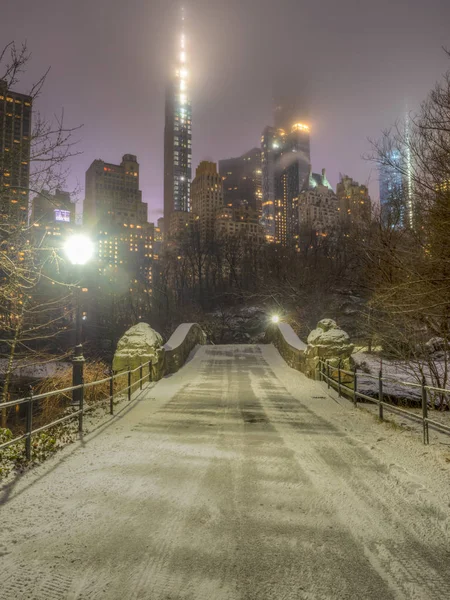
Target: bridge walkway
[{"x": 236, "y": 478}]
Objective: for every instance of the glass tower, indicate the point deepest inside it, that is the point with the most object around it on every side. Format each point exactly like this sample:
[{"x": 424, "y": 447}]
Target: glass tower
[{"x": 178, "y": 136}]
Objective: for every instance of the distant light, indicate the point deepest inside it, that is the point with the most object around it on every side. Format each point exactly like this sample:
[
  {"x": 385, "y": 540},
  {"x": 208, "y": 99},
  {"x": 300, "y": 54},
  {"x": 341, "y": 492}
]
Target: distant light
[
  {"x": 79, "y": 249},
  {"x": 183, "y": 57},
  {"x": 184, "y": 73},
  {"x": 183, "y": 98},
  {"x": 275, "y": 145},
  {"x": 300, "y": 127},
  {"x": 182, "y": 85},
  {"x": 275, "y": 319}
]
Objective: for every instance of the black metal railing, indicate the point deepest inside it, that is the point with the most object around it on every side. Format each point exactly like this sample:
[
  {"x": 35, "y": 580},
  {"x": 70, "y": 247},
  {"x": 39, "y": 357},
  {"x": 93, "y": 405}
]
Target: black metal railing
[
  {"x": 31, "y": 399},
  {"x": 340, "y": 378}
]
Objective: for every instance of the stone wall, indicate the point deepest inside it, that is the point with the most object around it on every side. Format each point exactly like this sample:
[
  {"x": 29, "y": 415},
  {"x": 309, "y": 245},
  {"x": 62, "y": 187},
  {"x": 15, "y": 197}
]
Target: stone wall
[
  {"x": 141, "y": 344},
  {"x": 288, "y": 344},
  {"x": 326, "y": 342},
  {"x": 181, "y": 344}
]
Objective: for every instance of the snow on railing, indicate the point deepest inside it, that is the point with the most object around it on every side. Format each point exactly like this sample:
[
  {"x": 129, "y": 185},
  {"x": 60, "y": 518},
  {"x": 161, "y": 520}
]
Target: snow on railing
[{"x": 328, "y": 373}]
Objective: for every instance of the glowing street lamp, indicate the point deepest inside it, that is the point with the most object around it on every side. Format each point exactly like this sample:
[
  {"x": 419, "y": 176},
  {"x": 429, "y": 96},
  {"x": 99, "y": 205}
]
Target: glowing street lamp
[
  {"x": 275, "y": 319},
  {"x": 79, "y": 250}
]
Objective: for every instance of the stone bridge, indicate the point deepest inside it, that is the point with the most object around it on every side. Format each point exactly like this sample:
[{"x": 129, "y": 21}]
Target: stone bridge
[{"x": 234, "y": 478}]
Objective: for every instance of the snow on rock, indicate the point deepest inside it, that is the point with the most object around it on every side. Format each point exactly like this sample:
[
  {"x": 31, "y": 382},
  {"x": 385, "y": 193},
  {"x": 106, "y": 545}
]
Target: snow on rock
[
  {"x": 328, "y": 333},
  {"x": 327, "y": 342},
  {"x": 137, "y": 346},
  {"x": 436, "y": 344}
]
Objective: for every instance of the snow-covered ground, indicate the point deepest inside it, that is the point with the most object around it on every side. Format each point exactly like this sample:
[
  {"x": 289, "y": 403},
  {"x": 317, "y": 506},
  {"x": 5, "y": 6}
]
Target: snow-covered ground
[
  {"x": 395, "y": 375},
  {"x": 235, "y": 478},
  {"x": 35, "y": 370}
]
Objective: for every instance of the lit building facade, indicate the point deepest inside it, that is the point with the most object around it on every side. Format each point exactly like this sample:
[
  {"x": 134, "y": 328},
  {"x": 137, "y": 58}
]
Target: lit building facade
[
  {"x": 355, "y": 206},
  {"x": 178, "y": 137},
  {"x": 179, "y": 224},
  {"x": 52, "y": 218},
  {"x": 396, "y": 190},
  {"x": 242, "y": 180},
  {"x": 158, "y": 238},
  {"x": 207, "y": 196},
  {"x": 285, "y": 159},
  {"x": 317, "y": 206},
  {"x": 117, "y": 217},
  {"x": 242, "y": 222},
  {"x": 15, "y": 134}
]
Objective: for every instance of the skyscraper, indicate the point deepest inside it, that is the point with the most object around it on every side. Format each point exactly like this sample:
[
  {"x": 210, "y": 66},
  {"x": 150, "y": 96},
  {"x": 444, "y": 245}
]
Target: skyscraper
[
  {"x": 178, "y": 136},
  {"x": 285, "y": 158},
  {"x": 207, "y": 196},
  {"x": 15, "y": 133},
  {"x": 117, "y": 218},
  {"x": 242, "y": 180},
  {"x": 395, "y": 190}
]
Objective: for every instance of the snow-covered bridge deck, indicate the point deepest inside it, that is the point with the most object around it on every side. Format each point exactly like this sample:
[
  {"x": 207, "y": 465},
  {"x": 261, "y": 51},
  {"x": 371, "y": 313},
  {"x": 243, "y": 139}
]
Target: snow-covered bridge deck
[{"x": 236, "y": 478}]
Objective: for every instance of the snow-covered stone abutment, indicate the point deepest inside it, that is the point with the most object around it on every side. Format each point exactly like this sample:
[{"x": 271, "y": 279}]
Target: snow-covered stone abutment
[
  {"x": 141, "y": 344},
  {"x": 326, "y": 342}
]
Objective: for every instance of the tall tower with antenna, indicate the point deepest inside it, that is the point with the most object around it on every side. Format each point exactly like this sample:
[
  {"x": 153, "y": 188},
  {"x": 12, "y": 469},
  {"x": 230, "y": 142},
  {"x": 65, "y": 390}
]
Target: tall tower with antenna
[{"x": 178, "y": 132}]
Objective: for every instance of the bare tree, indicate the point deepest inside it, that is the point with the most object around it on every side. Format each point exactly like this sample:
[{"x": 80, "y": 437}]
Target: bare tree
[
  {"x": 34, "y": 286},
  {"x": 409, "y": 261}
]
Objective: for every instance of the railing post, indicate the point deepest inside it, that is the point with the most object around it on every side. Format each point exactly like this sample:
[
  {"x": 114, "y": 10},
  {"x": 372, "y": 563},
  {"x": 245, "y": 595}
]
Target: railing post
[
  {"x": 111, "y": 393},
  {"x": 149, "y": 371},
  {"x": 81, "y": 407},
  {"x": 426, "y": 435},
  {"x": 380, "y": 395},
  {"x": 355, "y": 385},
  {"x": 328, "y": 373},
  {"x": 140, "y": 377},
  {"x": 339, "y": 378},
  {"x": 29, "y": 424},
  {"x": 129, "y": 384}
]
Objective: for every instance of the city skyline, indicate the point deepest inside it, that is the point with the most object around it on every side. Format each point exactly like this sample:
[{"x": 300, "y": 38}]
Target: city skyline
[{"x": 354, "y": 97}]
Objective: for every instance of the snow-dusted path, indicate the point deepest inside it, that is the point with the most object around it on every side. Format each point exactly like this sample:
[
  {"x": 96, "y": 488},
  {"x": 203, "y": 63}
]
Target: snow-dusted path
[{"x": 232, "y": 479}]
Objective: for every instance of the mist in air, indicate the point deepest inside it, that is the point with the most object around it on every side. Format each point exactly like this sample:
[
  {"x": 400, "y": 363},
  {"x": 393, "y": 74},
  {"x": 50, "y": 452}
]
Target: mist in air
[{"x": 354, "y": 66}]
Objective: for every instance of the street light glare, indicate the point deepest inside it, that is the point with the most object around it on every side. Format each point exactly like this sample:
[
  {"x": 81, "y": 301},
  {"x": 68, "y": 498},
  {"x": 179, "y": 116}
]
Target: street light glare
[
  {"x": 79, "y": 249},
  {"x": 275, "y": 319}
]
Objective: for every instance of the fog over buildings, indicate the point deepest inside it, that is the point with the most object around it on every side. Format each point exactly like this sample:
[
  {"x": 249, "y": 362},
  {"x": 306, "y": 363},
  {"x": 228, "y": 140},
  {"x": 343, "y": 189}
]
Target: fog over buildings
[{"x": 354, "y": 65}]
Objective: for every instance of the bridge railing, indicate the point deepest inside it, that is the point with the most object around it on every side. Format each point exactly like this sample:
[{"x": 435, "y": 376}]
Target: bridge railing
[
  {"x": 82, "y": 409},
  {"x": 346, "y": 384}
]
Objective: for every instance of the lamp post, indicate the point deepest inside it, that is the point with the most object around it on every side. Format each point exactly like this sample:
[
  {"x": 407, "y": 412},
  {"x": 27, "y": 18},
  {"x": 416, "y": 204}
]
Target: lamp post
[
  {"x": 275, "y": 319},
  {"x": 79, "y": 249}
]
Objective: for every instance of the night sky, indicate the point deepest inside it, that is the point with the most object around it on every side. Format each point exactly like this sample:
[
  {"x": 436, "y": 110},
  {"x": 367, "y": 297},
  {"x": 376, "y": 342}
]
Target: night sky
[{"x": 358, "y": 64}]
